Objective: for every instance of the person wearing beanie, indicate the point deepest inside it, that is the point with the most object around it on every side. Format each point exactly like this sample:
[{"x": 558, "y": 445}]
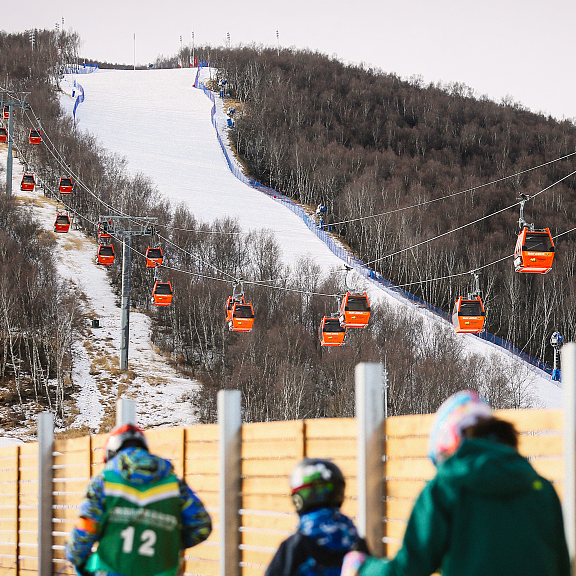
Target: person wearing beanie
[{"x": 486, "y": 511}]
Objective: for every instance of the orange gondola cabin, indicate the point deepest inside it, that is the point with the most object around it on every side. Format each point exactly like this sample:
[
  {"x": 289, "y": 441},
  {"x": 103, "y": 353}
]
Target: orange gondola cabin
[
  {"x": 331, "y": 332},
  {"x": 154, "y": 257},
  {"x": 241, "y": 316},
  {"x": 104, "y": 231},
  {"x": 3, "y": 134},
  {"x": 468, "y": 315},
  {"x": 6, "y": 112},
  {"x": 28, "y": 182},
  {"x": 65, "y": 185},
  {"x": 162, "y": 293},
  {"x": 230, "y": 304},
  {"x": 35, "y": 136},
  {"x": 534, "y": 251},
  {"x": 354, "y": 310},
  {"x": 105, "y": 254},
  {"x": 62, "y": 223}
]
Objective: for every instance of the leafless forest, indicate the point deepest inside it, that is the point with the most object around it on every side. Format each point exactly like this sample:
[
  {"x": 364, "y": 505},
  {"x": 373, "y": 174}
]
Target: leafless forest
[{"x": 361, "y": 141}]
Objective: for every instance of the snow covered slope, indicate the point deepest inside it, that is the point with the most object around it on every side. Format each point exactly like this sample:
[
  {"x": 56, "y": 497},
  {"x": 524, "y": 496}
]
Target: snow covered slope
[{"x": 161, "y": 124}]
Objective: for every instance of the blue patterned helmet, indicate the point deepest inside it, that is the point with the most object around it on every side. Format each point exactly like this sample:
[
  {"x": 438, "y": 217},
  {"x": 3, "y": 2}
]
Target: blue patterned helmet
[{"x": 316, "y": 483}]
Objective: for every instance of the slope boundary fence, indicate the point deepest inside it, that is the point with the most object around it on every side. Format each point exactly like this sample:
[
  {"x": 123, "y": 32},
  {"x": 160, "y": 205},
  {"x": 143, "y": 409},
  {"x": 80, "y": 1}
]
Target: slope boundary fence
[
  {"x": 241, "y": 472},
  {"x": 351, "y": 260}
]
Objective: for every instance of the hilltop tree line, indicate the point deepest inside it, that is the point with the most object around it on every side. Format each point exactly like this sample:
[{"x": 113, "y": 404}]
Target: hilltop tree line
[
  {"x": 370, "y": 146},
  {"x": 280, "y": 367}
]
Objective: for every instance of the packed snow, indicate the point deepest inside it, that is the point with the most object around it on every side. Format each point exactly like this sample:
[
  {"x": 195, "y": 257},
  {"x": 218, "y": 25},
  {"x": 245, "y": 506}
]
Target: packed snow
[{"x": 161, "y": 124}]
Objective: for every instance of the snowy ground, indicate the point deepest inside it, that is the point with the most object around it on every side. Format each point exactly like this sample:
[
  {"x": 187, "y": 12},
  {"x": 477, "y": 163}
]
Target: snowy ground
[
  {"x": 159, "y": 390},
  {"x": 161, "y": 124}
]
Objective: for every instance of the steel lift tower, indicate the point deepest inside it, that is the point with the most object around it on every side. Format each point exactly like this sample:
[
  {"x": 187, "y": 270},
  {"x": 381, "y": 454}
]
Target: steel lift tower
[
  {"x": 126, "y": 227},
  {"x": 12, "y": 100}
]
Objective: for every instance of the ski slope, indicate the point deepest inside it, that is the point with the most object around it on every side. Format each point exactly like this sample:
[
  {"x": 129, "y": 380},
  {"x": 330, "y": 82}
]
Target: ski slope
[{"x": 161, "y": 124}]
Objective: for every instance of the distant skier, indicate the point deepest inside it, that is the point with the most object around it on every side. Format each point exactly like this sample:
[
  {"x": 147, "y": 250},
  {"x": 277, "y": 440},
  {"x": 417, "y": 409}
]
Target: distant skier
[{"x": 485, "y": 512}]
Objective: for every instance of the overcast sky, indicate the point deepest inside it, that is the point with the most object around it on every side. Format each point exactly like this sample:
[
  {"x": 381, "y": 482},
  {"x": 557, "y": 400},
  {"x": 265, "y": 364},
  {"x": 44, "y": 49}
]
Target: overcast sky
[{"x": 525, "y": 49}]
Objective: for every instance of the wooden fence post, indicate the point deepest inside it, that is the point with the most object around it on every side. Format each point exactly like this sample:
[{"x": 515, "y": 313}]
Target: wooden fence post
[
  {"x": 569, "y": 398},
  {"x": 45, "y": 463},
  {"x": 230, "y": 425},
  {"x": 370, "y": 420},
  {"x": 125, "y": 412}
]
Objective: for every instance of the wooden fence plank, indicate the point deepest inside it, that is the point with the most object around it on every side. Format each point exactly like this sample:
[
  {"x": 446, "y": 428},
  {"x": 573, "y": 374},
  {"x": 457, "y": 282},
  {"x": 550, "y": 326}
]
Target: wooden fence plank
[
  {"x": 278, "y": 486},
  {"x": 331, "y": 428},
  {"x": 277, "y": 468},
  {"x": 332, "y": 448},
  {"x": 398, "y": 509},
  {"x": 267, "y": 502},
  {"x": 525, "y": 420},
  {"x": 262, "y": 539},
  {"x": 204, "y": 551},
  {"x": 551, "y": 469},
  {"x": 202, "y": 432},
  {"x": 202, "y": 467},
  {"x": 414, "y": 425},
  {"x": 404, "y": 488},
  {"x": 265, "y": 431},
  {"x": 286, "y": 522},
  {"x": 541, "y": 445},
  {"x": 287, "y": 448},
  {"x": 416, "y": 469},
  {"x": 205, "y": 568},
  {"x": 407, "y": 447}
]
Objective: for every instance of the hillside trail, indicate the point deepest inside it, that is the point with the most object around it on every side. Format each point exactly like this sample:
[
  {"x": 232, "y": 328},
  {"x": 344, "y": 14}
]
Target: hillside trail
[{"x": 162, "y": 394}]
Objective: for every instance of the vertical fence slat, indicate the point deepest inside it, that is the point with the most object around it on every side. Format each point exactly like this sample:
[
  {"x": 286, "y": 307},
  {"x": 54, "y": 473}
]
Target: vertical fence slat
[
  {"x": 370, "y": 420},
  {"x": 230, "y": 423},
  {"x": 45, "y": 461},
  {"x": 569, "y": 497}
]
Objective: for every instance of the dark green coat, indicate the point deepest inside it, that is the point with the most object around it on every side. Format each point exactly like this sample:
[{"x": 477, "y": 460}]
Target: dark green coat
[{"x": 486, "y": 513}]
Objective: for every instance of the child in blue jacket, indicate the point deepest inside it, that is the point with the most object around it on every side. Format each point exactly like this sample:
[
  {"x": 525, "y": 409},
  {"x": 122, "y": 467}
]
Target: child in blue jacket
[{"x": 324, "y": 535}]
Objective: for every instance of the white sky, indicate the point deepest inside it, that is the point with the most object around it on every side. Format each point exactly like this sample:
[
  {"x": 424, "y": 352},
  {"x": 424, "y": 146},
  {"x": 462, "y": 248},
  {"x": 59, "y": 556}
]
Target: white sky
[{"x": 524, "y": 49}]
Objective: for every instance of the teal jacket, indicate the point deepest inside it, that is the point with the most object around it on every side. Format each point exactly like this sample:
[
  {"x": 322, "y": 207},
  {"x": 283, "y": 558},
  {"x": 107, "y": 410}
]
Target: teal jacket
[{"x": 485, "y": 512}]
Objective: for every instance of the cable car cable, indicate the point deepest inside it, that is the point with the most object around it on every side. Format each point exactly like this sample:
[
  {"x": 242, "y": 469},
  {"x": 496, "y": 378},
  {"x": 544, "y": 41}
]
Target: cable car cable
[{"x": 447, "y": 233}]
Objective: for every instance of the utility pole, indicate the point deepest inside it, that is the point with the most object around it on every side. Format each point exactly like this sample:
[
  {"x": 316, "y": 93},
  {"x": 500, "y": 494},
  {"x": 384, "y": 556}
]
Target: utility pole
[
  {"x": 193, "y": 58},
  {"x": 126, "y": 227},
  {"x": 13, "y": 100}
]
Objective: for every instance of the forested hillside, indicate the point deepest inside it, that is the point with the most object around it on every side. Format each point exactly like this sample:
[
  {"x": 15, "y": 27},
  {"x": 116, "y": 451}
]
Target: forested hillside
[
  {"x": 399, "y": 163},
  {"x": 307, "y": 142}
]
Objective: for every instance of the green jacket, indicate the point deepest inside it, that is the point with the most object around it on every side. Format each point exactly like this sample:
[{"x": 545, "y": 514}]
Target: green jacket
[{"x": 486, "y": 512}]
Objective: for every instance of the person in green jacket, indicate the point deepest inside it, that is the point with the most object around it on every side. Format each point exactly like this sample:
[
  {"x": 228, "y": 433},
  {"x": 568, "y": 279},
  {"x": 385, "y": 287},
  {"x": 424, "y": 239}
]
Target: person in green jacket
[{"x": 486, "y": 512}]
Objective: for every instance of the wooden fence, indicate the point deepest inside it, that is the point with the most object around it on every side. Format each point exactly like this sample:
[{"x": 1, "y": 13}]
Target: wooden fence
[{"x": 268, "y": 452}]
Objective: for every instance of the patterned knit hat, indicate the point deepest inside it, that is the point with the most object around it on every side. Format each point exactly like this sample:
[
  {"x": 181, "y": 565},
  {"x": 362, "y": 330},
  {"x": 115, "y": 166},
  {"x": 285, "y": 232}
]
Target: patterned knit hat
[{"x": 459, "y": 411}]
